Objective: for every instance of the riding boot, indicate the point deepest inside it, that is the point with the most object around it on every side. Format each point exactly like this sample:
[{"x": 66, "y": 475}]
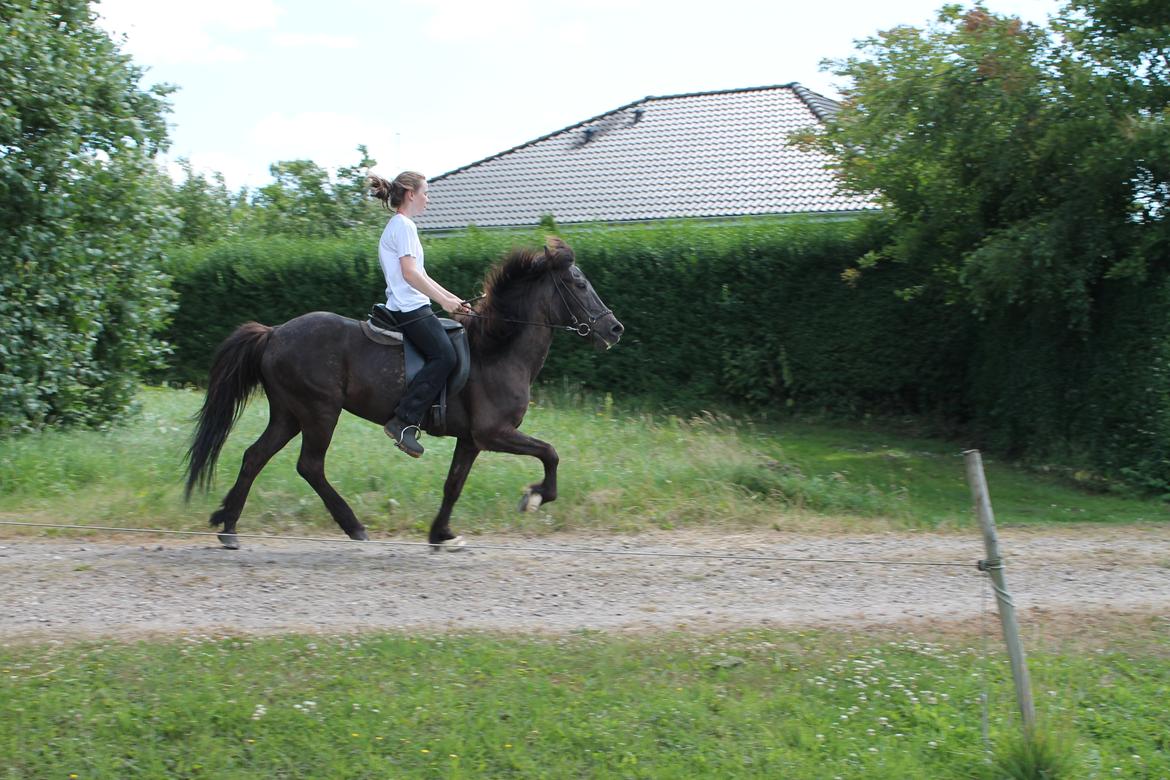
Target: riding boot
[{"x": 405, "y": 437}]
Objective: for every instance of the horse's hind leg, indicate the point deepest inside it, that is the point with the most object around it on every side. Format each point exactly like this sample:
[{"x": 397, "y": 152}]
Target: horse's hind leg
[
  {"x": 311, "y": 465},
  {"x": 282, "y": 426}
]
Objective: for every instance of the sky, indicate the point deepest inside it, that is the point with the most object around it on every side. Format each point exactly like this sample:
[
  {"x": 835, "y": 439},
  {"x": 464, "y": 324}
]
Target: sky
[{"x": 433, "y": 85}]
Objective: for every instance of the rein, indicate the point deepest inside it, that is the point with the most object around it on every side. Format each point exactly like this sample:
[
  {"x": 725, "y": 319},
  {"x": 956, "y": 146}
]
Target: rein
[
  {"x": 580, "y": 327},
  {"x": 570, "y": 328}
]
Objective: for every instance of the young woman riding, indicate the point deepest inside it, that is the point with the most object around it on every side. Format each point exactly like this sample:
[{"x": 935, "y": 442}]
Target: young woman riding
[{"x": 409, "y": 292}]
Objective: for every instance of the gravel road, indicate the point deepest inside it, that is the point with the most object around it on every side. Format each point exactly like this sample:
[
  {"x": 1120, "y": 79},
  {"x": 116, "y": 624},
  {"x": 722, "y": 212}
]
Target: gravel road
[{"x": 127, "y": 587}]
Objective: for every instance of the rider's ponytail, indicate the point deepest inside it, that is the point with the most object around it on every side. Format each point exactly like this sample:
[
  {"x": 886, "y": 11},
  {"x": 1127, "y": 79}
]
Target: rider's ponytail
[{"x": 392, "y": 193}]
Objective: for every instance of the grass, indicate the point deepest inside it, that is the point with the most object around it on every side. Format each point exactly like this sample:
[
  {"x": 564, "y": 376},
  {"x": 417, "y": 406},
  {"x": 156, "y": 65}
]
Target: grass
[
  {"x": 619, "y": 471},
  {"x": 755, "y": 703}
]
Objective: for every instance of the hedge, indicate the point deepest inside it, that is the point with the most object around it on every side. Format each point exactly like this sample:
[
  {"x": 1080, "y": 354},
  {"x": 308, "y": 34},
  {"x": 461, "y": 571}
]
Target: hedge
[
  {"x": 759, "y": 314},
  {"x": 753, "y": 313}
]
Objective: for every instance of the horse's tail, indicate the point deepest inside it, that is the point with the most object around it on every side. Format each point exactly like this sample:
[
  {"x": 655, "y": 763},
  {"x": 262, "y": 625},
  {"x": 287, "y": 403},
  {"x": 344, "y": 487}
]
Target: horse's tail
[{"x": 235, "y": 373}]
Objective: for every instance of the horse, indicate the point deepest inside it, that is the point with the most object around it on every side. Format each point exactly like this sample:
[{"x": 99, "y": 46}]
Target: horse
[{"x": 319, "y": 364}]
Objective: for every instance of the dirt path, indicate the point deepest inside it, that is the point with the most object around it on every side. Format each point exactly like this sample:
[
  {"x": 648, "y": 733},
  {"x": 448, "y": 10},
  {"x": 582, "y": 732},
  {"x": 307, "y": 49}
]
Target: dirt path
[{"x": 124, "y": 588}]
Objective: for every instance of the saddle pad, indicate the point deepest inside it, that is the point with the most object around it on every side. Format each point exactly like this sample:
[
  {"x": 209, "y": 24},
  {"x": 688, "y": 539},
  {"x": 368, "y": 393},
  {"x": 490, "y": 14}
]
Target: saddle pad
[{"x": 379, "y": 336}]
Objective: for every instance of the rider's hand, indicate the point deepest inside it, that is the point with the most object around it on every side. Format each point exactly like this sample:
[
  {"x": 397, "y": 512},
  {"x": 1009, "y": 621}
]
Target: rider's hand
[{"x": 455, "y": 306}]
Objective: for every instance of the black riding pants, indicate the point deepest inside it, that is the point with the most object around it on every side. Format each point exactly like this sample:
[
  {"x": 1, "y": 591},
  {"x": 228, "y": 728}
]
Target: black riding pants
[{"x": 425, "y": 331}]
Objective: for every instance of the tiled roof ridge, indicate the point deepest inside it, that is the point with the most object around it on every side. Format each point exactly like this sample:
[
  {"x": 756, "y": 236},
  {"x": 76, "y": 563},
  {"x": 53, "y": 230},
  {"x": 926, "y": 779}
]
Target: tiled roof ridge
[
  {"x": 823, "y": 107},
  {"x": 807, "y": 96},
  {"x": 544, "y": 137}
]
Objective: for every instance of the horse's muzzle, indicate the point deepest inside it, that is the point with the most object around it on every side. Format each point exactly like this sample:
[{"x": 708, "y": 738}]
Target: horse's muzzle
[{"x": 608, "y": 330}]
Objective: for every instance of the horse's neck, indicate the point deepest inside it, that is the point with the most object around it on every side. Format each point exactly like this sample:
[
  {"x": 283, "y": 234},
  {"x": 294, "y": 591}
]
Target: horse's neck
[
  {"x": 530, "y": 348},
  {"x": 530, "y": 344}
]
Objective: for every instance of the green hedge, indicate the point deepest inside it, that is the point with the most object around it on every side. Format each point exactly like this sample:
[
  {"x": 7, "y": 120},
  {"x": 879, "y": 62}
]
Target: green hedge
[
  {"x": 273, "y": 280},
  {"x": 753, "y": 313},
  {"x": 758, "y": 314},
  {"x": 1099, "y": 399}
]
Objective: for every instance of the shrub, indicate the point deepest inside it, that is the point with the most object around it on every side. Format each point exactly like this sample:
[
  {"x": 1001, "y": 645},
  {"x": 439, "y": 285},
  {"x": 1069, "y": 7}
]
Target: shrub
[{"x": 81, "y": 296}]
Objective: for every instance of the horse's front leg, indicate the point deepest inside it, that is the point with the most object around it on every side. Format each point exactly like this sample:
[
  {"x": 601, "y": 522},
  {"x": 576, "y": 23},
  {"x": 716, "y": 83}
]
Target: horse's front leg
[
  {"x": 461, "y": 463},
  {"x": 513, "y": 441}
]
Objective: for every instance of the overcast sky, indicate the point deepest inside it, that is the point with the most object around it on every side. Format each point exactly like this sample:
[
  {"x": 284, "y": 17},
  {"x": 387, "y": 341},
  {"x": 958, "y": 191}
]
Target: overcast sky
[{"x": 432, "y": 85}]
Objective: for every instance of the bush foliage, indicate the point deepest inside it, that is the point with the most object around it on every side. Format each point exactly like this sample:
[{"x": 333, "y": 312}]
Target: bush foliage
[{"x": 81, "y": 297}]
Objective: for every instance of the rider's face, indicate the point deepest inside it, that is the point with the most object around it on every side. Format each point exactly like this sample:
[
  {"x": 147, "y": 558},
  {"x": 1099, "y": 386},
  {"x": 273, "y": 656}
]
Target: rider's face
[{"x": 416, "y": 201}]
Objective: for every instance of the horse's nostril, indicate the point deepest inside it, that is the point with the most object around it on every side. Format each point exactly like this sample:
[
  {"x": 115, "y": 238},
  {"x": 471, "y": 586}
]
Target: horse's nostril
[{"x": 617, "y": 329}]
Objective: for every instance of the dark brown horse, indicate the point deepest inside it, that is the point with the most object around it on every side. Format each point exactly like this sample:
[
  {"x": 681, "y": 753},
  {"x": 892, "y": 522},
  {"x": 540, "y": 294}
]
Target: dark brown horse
[{"x": 319, "y": 364}]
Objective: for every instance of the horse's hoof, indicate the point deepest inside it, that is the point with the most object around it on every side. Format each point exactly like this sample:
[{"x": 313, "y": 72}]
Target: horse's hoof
[
  {"x": 530, "y": 501},
  {"x": 229, "y": 541},
  {"x": 457, "y": 544},
  {"x": 360, "y": 536}
]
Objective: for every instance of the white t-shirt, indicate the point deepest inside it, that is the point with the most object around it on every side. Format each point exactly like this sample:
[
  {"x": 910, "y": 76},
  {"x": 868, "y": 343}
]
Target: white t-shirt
[{"x": 399, "y": 239}]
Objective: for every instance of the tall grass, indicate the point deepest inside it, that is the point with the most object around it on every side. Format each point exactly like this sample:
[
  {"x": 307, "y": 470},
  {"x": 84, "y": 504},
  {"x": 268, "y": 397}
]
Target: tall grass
[
  {"x": 1040, "y": 755},
  {"x": 621, "y": 470}
]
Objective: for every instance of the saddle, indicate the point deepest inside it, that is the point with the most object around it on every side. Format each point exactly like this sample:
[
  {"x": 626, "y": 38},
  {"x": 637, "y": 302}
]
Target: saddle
[{"x": 382, "y": 328}]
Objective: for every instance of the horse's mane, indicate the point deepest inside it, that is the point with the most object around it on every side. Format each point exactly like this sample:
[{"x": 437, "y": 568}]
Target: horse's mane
[{"x": 508, "y": 291}]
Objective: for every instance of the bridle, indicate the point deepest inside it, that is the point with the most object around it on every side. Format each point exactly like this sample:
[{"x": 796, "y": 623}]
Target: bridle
[{"x": 582, "y": 327}]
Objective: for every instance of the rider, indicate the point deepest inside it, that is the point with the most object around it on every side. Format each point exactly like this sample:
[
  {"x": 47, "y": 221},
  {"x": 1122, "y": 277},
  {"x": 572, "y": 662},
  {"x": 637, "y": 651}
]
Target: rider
[{"x": 409, "y": 292}]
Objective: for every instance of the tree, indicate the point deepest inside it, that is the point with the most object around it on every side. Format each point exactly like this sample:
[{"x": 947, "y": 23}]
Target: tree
[
  {"x": 1126, "y": 45},
  {"x": 1019, "y": 167},
  {"x": 304, "y": 201},
  {"x": 81, "y": 227},
  {"x": 1025, "y": 172},
  {"x": 204, "y": 208}
]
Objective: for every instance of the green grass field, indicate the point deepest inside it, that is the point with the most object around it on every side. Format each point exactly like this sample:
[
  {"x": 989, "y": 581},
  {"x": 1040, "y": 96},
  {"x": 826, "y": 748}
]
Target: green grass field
[
  {"x": 619, "y": 471},
  {"x": 756, "y": 704}
]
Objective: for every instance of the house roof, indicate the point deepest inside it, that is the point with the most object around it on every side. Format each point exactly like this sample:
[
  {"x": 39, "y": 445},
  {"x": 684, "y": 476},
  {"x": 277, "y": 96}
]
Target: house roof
[{"x": 705, "y": 154}]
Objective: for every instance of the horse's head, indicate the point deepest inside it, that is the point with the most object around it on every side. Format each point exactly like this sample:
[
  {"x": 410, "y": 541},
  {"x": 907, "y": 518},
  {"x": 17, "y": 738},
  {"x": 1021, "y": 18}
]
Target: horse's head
[{"x": 579, "y": 305}]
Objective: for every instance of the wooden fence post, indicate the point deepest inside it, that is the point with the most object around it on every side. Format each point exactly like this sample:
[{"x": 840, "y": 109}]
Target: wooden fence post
[{"x": 993, "y": 565}]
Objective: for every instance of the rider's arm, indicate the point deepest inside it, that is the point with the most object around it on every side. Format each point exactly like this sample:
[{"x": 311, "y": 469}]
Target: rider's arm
[{"x": 417, "y": 278}]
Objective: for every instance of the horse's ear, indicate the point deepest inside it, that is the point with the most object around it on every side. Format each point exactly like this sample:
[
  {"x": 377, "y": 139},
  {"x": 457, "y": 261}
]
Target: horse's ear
[{"x": 557, "y": 250}]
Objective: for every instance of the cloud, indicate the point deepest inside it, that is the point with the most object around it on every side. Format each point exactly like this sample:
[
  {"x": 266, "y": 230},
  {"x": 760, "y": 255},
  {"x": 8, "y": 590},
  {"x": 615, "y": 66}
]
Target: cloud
[
  {"x": 238, "y": 169},
  {"x": 328, "y": 138},
  {"x": 169, "y": 32},
  {"x": 315, "y": 41},
  {"x": 501, "y": 21}
]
